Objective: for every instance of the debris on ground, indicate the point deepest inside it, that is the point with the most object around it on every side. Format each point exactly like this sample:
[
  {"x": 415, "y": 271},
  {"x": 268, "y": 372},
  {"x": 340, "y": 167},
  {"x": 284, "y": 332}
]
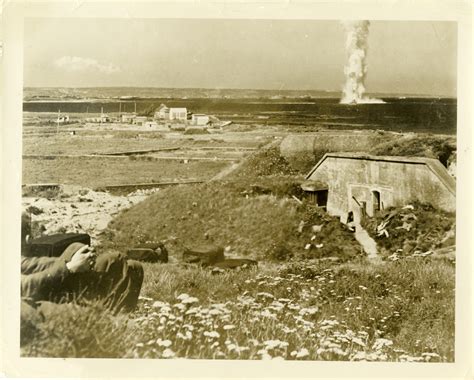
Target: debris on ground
[
  {"x": 76, "y": 209},
  {"x": 416, "y": 230}
]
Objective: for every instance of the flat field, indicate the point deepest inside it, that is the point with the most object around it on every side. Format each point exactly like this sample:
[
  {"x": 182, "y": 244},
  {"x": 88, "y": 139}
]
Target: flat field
[{"x": 140, "y": 155}]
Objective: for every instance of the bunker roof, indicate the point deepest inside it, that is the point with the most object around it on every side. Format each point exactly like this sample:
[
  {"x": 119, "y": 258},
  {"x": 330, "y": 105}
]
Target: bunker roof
[
  {"x": 433, "y": 164},
  {"x": 310, "y": 185}
]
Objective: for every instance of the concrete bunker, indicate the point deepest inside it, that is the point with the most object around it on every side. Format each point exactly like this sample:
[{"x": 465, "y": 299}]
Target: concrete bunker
[{"x": 356, "y": 185}]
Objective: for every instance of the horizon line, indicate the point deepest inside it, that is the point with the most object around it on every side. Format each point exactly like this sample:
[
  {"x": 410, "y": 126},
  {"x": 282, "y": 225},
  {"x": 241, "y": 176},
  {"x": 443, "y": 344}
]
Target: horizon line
[{"x": 241, "y": 89}]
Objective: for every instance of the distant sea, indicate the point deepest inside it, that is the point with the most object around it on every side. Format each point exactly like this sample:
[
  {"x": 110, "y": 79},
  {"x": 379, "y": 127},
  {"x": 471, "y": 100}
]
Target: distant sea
[{"x": 270, "y": 107}]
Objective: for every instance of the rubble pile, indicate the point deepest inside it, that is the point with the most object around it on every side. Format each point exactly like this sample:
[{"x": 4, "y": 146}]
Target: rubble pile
[{"x": 416, "y": 230}]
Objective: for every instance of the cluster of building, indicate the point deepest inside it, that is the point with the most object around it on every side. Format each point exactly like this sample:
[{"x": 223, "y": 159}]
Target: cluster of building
[{"x": 162, "y": 114}]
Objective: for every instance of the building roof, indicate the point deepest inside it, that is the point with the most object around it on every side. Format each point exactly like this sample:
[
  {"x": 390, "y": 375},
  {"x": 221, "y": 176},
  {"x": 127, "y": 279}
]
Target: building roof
[
  {"x": 433, "y": 164},
  {"x": 178, "y": 109},
  {"x": 314, "y": 185}
]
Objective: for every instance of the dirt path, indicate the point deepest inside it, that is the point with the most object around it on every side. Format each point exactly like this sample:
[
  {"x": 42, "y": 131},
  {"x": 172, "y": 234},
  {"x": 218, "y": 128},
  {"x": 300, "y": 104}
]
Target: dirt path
[{"x": 369, "y": 244}]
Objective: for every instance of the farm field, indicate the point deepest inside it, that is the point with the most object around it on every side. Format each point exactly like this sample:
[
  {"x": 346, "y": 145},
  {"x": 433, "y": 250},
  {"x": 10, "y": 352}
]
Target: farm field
[{"x": 99, "y": 172}]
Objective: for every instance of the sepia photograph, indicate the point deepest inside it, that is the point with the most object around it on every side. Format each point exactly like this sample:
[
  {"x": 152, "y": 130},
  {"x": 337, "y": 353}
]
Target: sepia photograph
[{"x": 239, "y": 189}]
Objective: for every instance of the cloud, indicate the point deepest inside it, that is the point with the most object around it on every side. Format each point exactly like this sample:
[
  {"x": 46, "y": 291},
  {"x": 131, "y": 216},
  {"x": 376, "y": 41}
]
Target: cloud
[{"x": 75, "y": 64}]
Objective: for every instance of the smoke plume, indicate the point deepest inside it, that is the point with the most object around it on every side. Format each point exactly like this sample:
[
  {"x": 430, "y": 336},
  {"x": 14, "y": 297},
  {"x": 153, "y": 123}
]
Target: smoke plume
[{"x": 357, "y": 33}]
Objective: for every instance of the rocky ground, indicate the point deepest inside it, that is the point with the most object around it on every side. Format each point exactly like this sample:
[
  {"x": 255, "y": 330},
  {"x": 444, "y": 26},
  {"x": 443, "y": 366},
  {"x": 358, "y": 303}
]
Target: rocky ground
[{"x": 78, "y": 209}]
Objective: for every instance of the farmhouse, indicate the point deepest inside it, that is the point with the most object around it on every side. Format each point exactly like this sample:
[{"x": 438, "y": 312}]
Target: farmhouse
[
  {"x": 178, "y": 114},
  {"x": 364, "y": 184},
  {"x": 200, "y": 119},
  {"x": 162, "y": 112}
]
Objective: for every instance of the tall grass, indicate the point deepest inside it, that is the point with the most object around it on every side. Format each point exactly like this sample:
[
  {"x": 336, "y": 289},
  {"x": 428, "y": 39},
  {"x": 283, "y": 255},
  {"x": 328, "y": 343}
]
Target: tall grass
[{"x": 399, "y": 311}]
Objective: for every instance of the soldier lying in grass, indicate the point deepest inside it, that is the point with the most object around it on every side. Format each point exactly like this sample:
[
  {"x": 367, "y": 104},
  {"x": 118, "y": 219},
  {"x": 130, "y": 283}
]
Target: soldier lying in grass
[{"x": 77, "y": 275}]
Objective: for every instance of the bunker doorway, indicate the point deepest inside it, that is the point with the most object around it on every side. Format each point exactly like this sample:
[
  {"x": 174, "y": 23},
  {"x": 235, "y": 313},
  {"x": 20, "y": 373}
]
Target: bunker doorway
[
  {"x": 322, "y": 198},
  {"x": 316, "y": 192},
  {"x": 375, "y": 201}
]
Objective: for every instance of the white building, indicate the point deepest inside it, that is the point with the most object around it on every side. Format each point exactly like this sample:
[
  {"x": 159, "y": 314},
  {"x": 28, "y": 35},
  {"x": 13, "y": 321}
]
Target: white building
[
  {"x": 178, "y": 114},
  {"x": 128, "y": 117},
  {"x": 140, "y": 120},
  {"x": 162, "y": 112},
  {"x": 200, "y": 119}
]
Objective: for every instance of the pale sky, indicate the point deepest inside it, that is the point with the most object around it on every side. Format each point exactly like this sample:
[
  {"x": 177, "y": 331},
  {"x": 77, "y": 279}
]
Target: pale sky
[{"x": 410, "y": 57}]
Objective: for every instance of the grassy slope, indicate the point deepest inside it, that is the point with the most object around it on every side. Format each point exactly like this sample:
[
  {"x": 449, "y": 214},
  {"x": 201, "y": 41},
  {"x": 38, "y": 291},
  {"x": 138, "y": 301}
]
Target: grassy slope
[{"x": 252, "y": 212}]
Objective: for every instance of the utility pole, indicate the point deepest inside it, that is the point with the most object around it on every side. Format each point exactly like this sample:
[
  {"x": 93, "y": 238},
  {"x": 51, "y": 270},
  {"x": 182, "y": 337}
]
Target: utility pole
[{"x": 57, "y": 121}]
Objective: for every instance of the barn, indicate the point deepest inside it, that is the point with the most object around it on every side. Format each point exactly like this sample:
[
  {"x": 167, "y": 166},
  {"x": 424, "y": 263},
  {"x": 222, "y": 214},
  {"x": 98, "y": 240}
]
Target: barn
[{"x": 365, "y": 184}]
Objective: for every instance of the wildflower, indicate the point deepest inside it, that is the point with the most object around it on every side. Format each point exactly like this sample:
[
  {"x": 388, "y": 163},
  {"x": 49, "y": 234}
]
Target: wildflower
[
  {"x": 308, "y": 311},
  {"x": 272, "y": 344},
  {"x": 159, "y": 304},
  {"x": 193, "y": 310},
  {"x": 167, "y": 354},
  {"x": 287, "y": 330},
  {"x": 294, "y": 307},
  {"x": 300, "y": 354},
  {"x": 179, "y": 306},
  {"x": 265, "y": 295},
  {"x": 139, "y": 345},
  {"x": 267, "y": 314},
  {"x": 229, "y": 327},
  {"x": 163, "y": 343},
  {"x": 358, "y": 341},
  {"x": 189, "y": 300},
  {"x": 186, "y": 336},
  {"x": 183, "y": 296},
  {"x": 362, "y": 287},
  {"x": 212, "y": 334},
  {"x": 381, "y": 343}
]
